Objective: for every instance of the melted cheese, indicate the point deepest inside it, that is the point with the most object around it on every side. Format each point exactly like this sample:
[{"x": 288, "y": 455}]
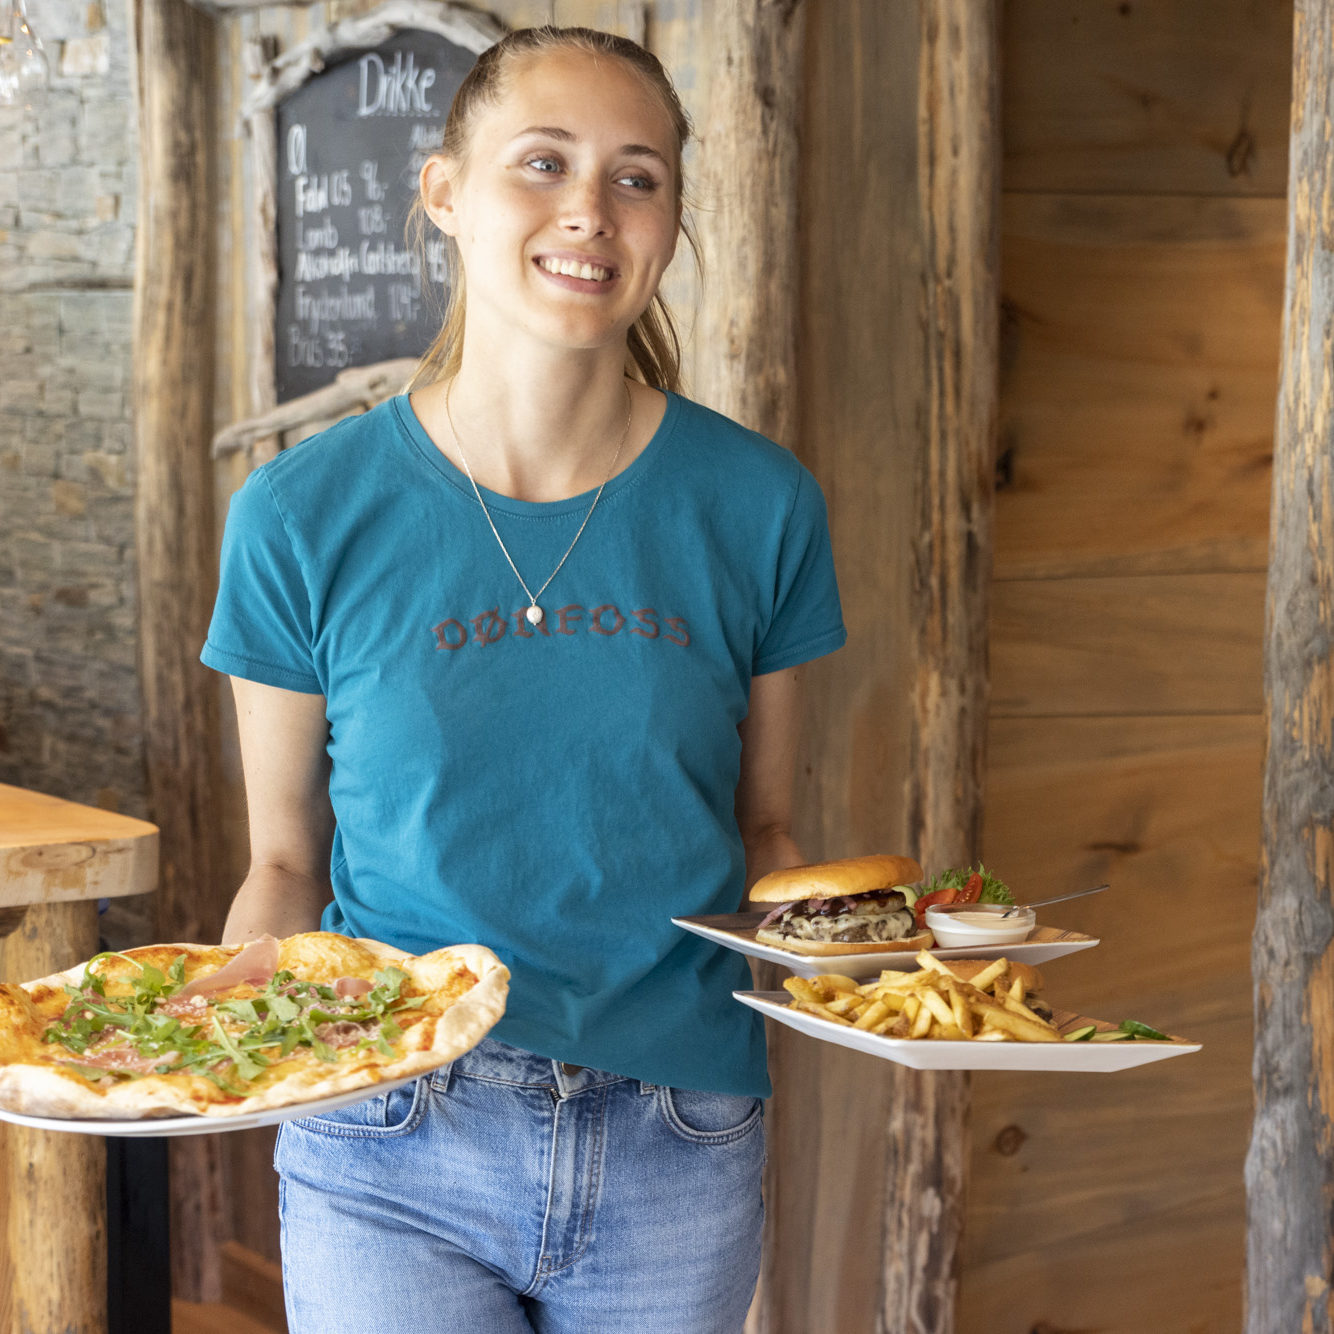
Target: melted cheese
[{"x": 874, "y": 925}]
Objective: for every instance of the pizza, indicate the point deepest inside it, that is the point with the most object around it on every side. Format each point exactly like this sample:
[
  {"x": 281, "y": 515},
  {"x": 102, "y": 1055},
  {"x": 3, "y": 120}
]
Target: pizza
[{"x": 169, "y": 1030}]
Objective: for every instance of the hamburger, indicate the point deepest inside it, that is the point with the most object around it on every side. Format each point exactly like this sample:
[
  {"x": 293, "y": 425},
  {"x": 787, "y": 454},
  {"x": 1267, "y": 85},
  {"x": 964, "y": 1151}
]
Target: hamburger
[{"x": 854, "y": 906}]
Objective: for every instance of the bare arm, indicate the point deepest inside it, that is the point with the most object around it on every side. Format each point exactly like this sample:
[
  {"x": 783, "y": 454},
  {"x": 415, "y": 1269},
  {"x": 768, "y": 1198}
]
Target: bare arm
[
  {"x": 283, "y": 740},
  {"x": 768, "y": 764}
]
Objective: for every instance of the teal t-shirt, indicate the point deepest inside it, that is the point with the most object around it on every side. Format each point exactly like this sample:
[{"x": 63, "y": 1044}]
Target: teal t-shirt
[{"x": 555, "y": 792}]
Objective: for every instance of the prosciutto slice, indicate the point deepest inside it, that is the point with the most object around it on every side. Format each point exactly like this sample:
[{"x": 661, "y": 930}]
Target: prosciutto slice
[
  {"x": 124, "y": 1058},
  {"x": 347, "y": 987},
  {"x": 344, "y": 1033},
  {"x": 256, "y": 964}
]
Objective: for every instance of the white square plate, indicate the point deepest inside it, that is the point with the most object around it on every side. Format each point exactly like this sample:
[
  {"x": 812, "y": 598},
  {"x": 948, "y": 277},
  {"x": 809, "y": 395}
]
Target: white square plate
[
  {"x": 737, "y": 932},
  {"x": 204, "y": 1125},
  {"x": 929, "y": 1054}
]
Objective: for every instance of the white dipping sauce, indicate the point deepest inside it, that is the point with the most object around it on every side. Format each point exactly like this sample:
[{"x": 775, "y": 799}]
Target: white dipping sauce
[{"x": 980, "y": 919}]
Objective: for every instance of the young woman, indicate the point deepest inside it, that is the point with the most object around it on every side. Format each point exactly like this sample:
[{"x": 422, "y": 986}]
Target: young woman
[{"x": 514, "y": 661}]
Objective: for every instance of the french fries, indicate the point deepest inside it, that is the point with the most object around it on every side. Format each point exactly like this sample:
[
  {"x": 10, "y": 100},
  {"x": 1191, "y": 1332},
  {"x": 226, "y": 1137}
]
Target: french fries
[{"x": 932, "y": 1003}]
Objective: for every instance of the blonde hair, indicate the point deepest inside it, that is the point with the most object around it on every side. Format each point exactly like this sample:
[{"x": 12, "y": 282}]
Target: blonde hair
[{"x": 653, "y": 345}]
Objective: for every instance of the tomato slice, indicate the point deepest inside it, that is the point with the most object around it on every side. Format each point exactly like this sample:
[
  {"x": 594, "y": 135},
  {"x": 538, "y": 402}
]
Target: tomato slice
[
  {"x": 930, "y": 901},
  {"x": 971, "y": 890}
]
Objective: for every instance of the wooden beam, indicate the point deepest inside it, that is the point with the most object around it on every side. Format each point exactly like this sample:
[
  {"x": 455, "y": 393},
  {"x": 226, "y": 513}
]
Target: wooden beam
[
  {"x": 1290, "y": 1166},
  {"x": 747, "y": 326},
  {"x": 176, "y": 58},
  {"x": 959, "y": 226},
  {"x": 355, "y": 390},
  {"x": 53, "y": 1257},
  {"x": 897, "y": 248},
  {"x": 468, "y": 28},
  {"x": 747, "y": 329}
]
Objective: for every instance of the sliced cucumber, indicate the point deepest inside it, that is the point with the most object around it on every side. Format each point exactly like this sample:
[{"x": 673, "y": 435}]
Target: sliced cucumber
[
  {"x": 1111, "y": 1035},
  {"x": 910, "y": 895},
  {"x": 1132, "y": 1028},
  {"x": 1081, "y": 1034}
]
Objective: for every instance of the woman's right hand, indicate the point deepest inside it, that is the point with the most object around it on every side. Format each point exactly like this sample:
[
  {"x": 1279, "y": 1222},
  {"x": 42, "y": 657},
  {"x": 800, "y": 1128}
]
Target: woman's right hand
[{"x": 284, "y": 754}]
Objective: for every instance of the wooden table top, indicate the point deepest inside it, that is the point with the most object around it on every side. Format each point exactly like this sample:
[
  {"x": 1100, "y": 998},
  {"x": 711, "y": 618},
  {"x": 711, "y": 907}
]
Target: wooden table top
[{"x": 57, "y": 851}]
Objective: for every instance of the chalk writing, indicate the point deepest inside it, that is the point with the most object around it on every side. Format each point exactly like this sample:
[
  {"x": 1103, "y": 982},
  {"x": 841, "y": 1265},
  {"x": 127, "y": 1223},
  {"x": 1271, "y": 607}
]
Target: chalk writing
[{"x": 352, "y": 288}]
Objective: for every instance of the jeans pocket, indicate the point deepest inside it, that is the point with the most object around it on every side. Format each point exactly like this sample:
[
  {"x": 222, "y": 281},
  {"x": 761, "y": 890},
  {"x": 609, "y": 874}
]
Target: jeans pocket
[
  {"x": 397, "y": 1111},
  {"x": 709, "y": 1118}
]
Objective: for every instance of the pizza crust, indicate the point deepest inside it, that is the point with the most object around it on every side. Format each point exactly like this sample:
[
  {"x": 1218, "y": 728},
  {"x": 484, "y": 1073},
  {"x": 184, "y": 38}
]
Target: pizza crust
[{"x": 457, "y": 1017}]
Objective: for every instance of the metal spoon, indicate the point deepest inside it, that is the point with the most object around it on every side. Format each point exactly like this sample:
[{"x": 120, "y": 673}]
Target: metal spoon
[{"x": 1060, "y": 898}]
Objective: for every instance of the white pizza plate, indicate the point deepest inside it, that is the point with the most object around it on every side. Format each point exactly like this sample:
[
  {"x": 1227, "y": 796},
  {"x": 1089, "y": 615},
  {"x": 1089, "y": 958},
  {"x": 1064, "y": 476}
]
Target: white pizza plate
[
  {"x": 737, "y": 932},
  {"x": 204, "y": 1125},
  {"x": 929, "y": 1054}
]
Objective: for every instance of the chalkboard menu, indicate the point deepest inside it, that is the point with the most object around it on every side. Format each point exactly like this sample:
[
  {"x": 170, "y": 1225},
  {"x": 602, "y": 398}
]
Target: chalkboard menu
[{"x": 351, "y": 140}]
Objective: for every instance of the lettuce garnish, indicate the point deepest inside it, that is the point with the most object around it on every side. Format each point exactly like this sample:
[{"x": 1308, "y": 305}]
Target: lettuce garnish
[{"x": 994, "y": 890}]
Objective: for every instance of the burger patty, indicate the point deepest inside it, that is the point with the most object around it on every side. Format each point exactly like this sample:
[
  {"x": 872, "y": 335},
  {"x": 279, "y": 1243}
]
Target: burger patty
[{"x": 864, "y": 927}]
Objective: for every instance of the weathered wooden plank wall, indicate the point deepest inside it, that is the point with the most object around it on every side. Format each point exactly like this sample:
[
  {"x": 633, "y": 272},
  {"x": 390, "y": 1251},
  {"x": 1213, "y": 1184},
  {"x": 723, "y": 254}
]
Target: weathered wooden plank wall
[{"x": 1142, "y": 273}]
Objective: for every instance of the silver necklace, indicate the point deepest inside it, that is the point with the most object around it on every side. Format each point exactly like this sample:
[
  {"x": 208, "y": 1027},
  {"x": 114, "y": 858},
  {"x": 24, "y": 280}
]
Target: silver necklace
[{"x": 534, "y": 612}]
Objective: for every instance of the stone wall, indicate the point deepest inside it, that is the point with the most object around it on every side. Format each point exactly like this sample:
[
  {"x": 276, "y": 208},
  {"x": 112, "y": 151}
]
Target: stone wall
[{"x": 70, "y": 718}]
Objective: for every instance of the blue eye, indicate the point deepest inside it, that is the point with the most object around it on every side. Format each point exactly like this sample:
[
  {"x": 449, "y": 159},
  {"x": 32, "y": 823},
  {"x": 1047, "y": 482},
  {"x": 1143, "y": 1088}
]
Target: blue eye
[
  {"x": 639, "y": 182},
  {"x": 546, "y": 165}
]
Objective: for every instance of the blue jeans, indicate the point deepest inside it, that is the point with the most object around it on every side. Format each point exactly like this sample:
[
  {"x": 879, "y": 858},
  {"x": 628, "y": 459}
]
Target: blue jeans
[{"x": 507, "y": 1193}]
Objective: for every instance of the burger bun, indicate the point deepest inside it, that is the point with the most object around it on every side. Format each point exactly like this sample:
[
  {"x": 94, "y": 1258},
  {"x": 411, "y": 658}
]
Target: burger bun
[{"x": 828, "y": 880}]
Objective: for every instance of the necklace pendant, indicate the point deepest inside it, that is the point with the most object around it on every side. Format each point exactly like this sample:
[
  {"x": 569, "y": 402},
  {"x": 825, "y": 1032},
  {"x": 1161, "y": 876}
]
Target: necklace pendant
[{"x": 534, "y": 615}]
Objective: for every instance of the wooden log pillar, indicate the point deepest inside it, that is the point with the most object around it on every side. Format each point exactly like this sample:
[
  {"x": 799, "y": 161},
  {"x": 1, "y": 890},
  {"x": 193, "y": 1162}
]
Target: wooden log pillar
[
  {"x": 746, "y": 332},
  {"x": 898, "y": 364},
  {"x": 1290, "y": 1166},
  {"x": 958, "y": 176},
  {"x": 891, "y": 285},
  {"x": 747, "y": 326},
  {"x": 57, "y": 858},
  {"x": 176, "y": 59},
  {"x": 53, "y": 1273}
]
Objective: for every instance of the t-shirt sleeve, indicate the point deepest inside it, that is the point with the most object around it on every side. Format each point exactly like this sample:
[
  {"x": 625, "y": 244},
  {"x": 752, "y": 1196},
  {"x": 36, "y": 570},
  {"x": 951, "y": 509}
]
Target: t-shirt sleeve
[
  {"x": 261, "y": 628},
  {"x": 807, "y": 620}
]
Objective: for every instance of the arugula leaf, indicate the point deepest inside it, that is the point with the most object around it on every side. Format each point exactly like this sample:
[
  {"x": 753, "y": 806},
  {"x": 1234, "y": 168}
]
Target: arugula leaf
[
  {"x": 280, "y": 1019},
  {"x": 149, "y": 982},
  {"x": 246, "y": 1066},
  {"x": 241, "y": 1009},
  {"x": 96, "y": 1072},
  {"x": 215, "y": 1078},
  {"x": 389, "y": 981}
]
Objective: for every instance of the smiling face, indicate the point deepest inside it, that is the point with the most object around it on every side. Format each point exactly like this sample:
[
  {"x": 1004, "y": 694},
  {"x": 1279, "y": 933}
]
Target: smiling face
[{"x": 566, "y": 207}]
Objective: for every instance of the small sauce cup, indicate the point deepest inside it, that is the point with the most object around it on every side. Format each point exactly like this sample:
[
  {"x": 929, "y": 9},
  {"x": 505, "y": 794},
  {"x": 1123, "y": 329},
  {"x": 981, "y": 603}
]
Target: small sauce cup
[{"x": 958, "y": 925}]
